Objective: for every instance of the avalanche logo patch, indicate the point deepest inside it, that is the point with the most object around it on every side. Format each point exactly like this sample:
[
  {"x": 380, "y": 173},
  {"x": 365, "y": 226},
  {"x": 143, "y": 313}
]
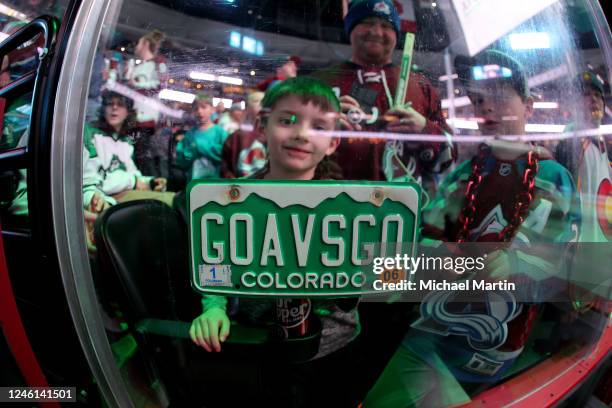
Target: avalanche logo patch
[
  {"x": 505, "y": 169},
  {"x": 252, "y": 158},
  {"x": 483, "y": 324},
  {"x": 382, "y": 7},
  {"x": 604, "y": 207}
]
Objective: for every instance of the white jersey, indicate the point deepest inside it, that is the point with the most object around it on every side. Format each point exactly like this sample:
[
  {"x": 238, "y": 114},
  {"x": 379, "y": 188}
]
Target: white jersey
[
  {"x": 112, "y": 159},
  {"x": 594, "y": 183},
  {"x": 146, "y": 78}
]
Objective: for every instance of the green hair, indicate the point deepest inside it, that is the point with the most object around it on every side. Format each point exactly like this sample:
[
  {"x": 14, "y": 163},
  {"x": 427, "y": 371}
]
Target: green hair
[{"x": 308, "y": 89}]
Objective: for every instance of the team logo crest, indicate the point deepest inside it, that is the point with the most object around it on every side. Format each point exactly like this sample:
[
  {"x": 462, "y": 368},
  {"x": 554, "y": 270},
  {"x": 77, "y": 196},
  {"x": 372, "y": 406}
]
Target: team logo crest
[
  {"x": 505, "y": 169},
  {"x": 483, "y": 324},
  {"x": 382, "y": 7},
  {"x": 492, "y": 224},
  {"x": 604, "y": 207},
  {"x": 252, "y": 158}
]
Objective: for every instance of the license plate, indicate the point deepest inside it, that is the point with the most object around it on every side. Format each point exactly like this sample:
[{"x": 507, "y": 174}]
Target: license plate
[{"x": 311, "y": 238}]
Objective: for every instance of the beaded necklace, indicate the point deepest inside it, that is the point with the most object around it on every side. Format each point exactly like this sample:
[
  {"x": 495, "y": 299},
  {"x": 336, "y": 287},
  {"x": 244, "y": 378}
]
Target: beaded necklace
[{"x": 468, "y": 212}]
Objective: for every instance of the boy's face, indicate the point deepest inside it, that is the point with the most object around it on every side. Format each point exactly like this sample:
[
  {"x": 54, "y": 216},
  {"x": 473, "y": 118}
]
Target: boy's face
[
  {"x": 593, "y": 106},
  {"x": 203, "y": 112},
  {"x": 499, "y": 108},
  {"x": 294, "y": 149},
  {"x": 115, "y": 113}
]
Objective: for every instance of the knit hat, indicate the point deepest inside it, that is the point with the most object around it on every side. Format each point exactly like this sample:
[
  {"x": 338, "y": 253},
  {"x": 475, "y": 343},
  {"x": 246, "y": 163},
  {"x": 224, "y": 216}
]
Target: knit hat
[
  {"x": 362, "y": 9},
  {"x": 501, "y": 66}
]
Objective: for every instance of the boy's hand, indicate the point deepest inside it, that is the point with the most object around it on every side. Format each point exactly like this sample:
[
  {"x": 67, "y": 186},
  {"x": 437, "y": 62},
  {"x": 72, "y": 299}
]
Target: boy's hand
[
  {"x": 160, "y": 184},
  {"x": 210, "y": 329},
  {"x": 405, "y": 120}
]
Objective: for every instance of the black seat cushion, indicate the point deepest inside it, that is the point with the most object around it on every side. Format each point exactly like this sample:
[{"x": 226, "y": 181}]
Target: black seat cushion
[{"x": 146, "y": 243}]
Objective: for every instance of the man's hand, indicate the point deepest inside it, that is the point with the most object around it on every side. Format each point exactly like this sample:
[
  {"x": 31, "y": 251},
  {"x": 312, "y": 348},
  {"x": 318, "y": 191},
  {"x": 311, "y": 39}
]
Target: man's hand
[
  {"x": 142, "y": 185},
  {"x": 350, "y": 111},
  {"x": 405, "y": 120},
  {"x": 210, "y": 329},
  {"x": 160, "y": 184}
]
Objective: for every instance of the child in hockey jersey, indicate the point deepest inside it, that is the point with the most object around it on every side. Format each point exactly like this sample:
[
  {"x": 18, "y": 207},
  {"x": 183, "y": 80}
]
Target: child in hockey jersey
[
  {"x": 512, "y": 192},
  {"x": 293, "y": 111},
  {"x": 199, "y": 152},
  {"x": 111, "y": 150}
]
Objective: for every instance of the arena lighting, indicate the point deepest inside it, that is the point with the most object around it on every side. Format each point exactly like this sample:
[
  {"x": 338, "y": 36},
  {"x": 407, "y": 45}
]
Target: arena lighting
[
  {"x": 606, "y": 129},
  {"x": 459, "y": 102},
  {"x": 6, "y": 10},
  {"x": 545, "y": 105},
  {"x": 235, "y": 39},
  {"x": 529, "y": 41},
  {"x": 229, "y": 80},
  {"x": 202, "y": 76},
  {"x": 249, "y": 44},
  {"x": 177, "y": 96},
  {"x": 543, "y": 128}
]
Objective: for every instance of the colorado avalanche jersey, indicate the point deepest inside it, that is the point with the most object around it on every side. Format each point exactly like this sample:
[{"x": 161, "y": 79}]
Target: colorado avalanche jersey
[
  {"x": 370, "y": 159},
  {"x": 480, "y": 340}
]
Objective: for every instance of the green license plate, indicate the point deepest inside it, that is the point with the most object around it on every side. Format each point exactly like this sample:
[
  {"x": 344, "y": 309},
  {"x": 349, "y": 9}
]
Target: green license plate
[{"x": 311, "y": 238}]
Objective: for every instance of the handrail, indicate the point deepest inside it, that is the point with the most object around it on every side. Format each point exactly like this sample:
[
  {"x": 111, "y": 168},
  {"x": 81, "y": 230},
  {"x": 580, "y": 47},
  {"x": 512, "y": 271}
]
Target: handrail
[{"x": 32, "y": 29}]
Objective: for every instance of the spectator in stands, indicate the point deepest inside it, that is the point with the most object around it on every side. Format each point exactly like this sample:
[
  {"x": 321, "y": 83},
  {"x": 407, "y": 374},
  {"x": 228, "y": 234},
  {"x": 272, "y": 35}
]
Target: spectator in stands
[
  {"x": 287, "y": 68},
  {"x": 244, "y": 151},
  {"x": 367, "y": 84},
  {"x": 296, "y": 109},
  {"x": 199, "y": 152},
  {"x": 232, "y": 121},
  {"x": 587, "y": 158},
  {"x": 147, "y": 74},
  {"x": 109, "y": 143},
  {"x": 516, "y": 193}
]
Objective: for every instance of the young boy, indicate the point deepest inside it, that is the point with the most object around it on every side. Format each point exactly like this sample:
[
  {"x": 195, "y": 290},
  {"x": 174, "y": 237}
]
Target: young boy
[
  {"x": 293, "y": 112},
  {"x": 510, "y": 192},
  {"x": 199, "y": 152}
]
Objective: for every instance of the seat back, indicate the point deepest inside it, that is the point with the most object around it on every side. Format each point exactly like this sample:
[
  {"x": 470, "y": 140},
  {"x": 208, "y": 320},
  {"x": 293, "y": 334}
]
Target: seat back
[{"x": 145, "y": 243}]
